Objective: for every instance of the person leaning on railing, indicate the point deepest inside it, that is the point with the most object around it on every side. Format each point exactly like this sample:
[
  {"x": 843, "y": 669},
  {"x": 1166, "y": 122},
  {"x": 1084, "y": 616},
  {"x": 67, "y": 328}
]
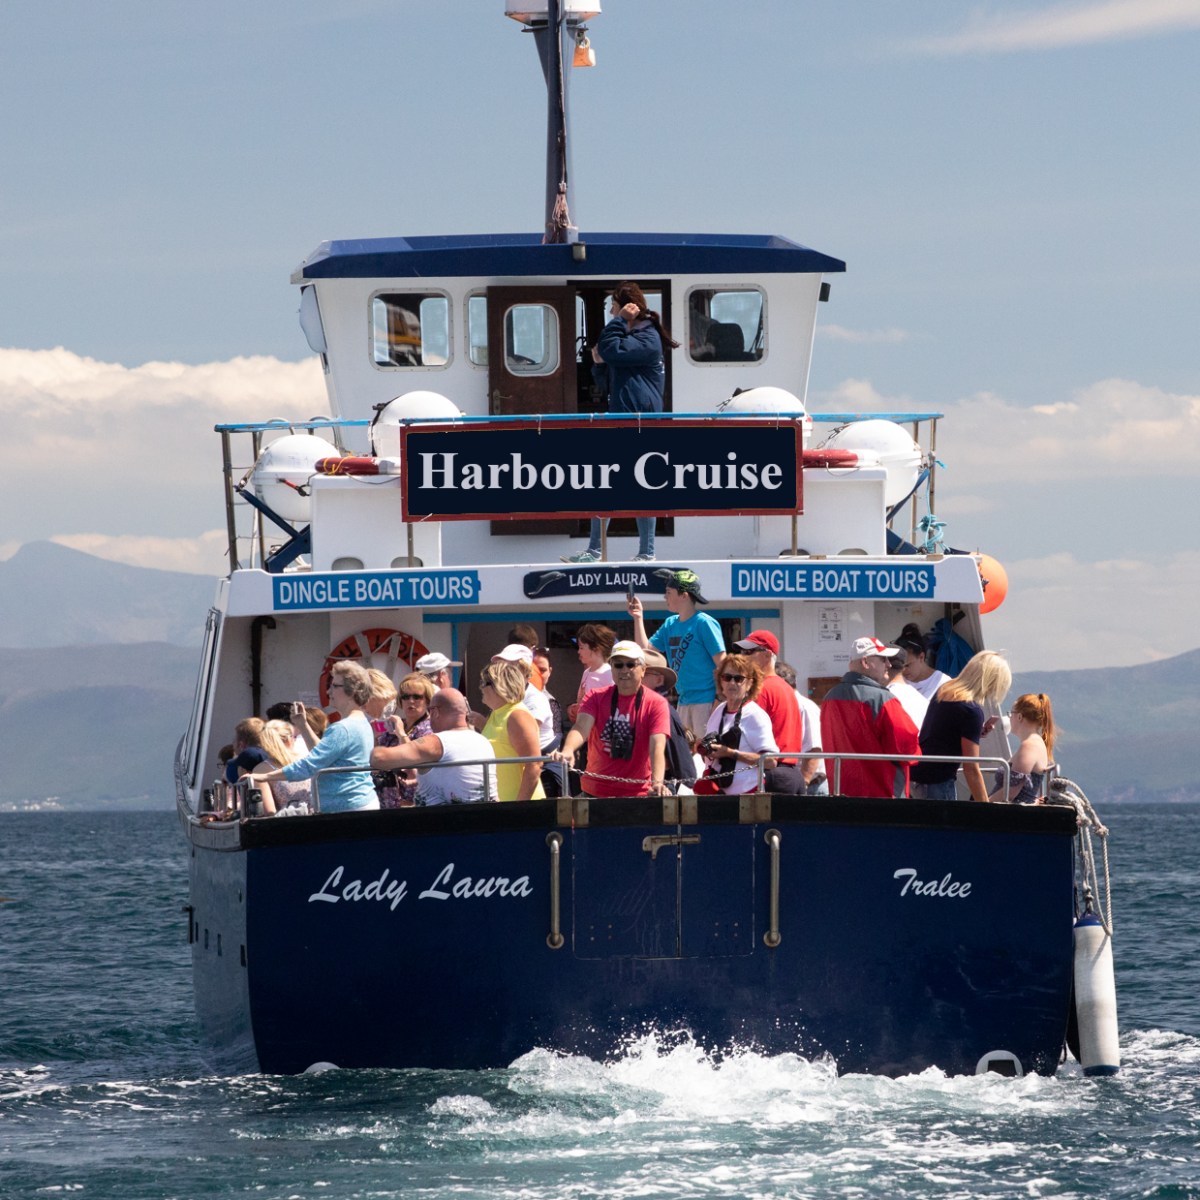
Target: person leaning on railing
[
  {"x": 346, "y": 743},
  {"x": 512, "y": 730},
  {"x": 461, "y": 778},
  {"x": 954, "y": 726},
  {"x": 625, "y": 727}
]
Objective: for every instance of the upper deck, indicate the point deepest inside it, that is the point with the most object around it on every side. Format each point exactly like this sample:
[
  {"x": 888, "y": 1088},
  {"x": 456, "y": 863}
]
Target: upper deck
[{"x": 496, "y": 331}]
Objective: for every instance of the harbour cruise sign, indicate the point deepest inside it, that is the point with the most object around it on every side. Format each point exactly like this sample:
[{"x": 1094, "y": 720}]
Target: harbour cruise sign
[{"x": 607, "y": 468}]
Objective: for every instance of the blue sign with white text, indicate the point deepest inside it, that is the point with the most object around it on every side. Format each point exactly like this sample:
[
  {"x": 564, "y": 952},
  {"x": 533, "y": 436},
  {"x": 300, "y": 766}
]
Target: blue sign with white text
[
  {"x": 834, "y": 580},
  {"x": 374, "y": 589}
]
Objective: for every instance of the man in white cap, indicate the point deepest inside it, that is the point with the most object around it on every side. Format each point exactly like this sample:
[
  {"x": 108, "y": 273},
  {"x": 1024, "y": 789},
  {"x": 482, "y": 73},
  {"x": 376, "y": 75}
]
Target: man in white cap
[
  {"x": 436, "y": 668},
  {"x": 860, "y": 716},
  {"x": 625, "y": 727}
]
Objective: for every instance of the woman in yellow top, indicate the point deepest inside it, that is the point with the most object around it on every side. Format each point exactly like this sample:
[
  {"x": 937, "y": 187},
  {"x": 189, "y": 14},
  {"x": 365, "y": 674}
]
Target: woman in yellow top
[{"x": 512, "y": 731}]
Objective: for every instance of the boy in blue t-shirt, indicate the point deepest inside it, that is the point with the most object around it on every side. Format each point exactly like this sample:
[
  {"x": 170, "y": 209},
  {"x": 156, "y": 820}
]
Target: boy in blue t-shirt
[{"x": 692, "y": 643}]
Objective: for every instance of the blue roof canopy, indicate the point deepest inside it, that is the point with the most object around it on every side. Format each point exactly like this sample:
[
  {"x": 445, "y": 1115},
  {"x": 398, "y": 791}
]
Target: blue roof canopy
[{"x": 616, "y": 255}]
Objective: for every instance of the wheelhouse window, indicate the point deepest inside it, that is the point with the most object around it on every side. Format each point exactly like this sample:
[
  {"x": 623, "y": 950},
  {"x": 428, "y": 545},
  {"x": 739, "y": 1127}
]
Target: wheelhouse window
[
  {"x": 410, "y": 329},
  {"x": 531, "y": 339},
  {"x": 726, "y": 325}
]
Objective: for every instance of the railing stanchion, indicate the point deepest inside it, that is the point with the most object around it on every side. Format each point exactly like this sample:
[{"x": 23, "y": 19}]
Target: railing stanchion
[
  {"x": 555, "y": 938},
  {"x": 772, "y": 938}
]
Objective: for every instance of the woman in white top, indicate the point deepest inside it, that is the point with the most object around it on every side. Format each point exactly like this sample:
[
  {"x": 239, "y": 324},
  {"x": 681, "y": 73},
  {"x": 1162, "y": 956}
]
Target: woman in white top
[
  {"x": 739, "y": 733},
  {"x": 917, "y": 671}
]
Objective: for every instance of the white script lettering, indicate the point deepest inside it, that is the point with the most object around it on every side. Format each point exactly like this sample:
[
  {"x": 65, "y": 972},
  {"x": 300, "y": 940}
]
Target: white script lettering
[
  {"x": 467, "y": 888},
  {"x": 932, "y": 887},
  {"x": 380, "y": 889}
]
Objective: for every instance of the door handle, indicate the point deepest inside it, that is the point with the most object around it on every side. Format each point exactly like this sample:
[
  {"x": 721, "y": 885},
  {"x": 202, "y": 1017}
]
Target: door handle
[{"x": 655, "y": 842}]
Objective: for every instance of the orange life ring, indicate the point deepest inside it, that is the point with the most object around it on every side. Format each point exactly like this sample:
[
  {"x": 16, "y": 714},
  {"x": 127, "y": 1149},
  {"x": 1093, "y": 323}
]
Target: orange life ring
[{"x": 399, "y": 646}]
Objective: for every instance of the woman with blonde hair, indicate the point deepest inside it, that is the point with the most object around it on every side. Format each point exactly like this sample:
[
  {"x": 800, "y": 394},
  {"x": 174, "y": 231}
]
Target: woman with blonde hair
[
  {"x": 512, "y": 730},
  {"x": 954, "y": 725},
  {"x": 278, "y": 743},
  {"x": 1033, "y": 726}
]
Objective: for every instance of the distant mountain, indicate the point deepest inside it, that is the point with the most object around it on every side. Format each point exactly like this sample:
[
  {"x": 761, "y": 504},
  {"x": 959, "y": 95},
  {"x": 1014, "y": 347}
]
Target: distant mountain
[
  {"x": 1126, "y": 732},
  {"x": 53, "y": 596},
  {"x": 99, "y": 659},
  {"x": 93, "y": 726}
]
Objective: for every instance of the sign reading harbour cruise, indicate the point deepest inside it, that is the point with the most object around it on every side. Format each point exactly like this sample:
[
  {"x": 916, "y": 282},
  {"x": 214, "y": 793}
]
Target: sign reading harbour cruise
[{"x": 605, "y": 468}]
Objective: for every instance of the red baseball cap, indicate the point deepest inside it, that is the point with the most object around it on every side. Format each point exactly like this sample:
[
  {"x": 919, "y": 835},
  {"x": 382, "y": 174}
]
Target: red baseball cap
[{"x": 760, "y": 639}]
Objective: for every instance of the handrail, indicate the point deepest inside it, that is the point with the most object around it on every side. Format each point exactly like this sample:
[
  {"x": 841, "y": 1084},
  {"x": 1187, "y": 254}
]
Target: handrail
[
  {"x": 486, "y": 763},
  {"x": 961, "y": 759},
  {"x": 235, "y": 800},
  {"x": 278, "y": 425},
  {"x": 772, "y": 937},
  {"x": 554, "y": 939}
]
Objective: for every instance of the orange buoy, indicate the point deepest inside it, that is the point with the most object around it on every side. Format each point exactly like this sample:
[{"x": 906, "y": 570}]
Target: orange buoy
[{"x": 995, "y": 583}]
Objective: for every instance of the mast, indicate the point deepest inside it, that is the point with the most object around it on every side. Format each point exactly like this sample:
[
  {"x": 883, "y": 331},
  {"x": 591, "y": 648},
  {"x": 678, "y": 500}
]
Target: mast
[{"x": 557, "y": 27}]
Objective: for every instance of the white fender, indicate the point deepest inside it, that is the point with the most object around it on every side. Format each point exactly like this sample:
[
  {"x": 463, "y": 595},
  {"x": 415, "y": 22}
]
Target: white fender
[{"x": 1096, "y": 998}]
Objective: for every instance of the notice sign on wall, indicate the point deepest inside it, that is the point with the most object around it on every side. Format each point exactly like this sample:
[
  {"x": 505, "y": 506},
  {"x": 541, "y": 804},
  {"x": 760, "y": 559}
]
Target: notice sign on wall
[{"x": 601, "y": 468}]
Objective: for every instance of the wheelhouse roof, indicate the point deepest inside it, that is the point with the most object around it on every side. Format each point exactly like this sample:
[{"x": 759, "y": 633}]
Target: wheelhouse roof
[{"x": 523, "y": 254}]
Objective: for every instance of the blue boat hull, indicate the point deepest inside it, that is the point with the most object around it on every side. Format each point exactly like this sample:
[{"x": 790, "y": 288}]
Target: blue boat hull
[{"x": 911, "y": 933}]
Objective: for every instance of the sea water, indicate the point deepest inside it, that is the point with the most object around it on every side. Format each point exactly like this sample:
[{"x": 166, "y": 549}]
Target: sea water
[{"x": 104, "y": 1091}]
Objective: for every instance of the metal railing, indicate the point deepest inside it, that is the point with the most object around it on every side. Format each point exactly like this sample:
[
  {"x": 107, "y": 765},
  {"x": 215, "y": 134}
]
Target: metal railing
[{"x": 240, "y": 800}]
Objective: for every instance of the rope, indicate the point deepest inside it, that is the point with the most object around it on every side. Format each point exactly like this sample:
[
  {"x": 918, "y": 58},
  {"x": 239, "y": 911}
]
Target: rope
[
  {"x": 932, "y": 528},
  {"x": 1066, "y": 791}
]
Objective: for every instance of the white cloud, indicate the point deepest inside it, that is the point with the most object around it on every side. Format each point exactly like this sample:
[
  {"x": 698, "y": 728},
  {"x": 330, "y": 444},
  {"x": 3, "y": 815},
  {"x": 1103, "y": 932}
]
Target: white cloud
[
  {"x": 839, "y": 333},
  {"x": 203, "y": 555},
  {"x": 1060, "y": 25},
  {"x": 1115, "y": 428},
  {"x": 108, "y": 449},
  {"x": 856, "y": 395},
  {"x": 1061, "y": 613},
  {"x": 45, "y": 383}
]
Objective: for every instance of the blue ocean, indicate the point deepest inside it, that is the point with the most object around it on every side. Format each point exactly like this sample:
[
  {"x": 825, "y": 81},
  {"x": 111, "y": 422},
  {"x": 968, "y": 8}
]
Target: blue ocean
[{"x": 104, "y": 1090}]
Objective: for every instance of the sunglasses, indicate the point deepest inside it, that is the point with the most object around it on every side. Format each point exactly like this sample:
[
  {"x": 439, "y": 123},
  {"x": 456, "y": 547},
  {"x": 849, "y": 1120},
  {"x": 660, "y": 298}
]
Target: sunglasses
[
  {"x": 622, "y": 664},
  {"x": 412, "y": 695},
  {"x": 733, "y": 679}
]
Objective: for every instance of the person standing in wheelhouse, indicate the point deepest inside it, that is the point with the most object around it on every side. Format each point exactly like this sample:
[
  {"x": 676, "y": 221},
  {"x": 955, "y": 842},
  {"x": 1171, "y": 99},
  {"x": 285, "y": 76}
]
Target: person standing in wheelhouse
[{"x": 629, "y": 360}]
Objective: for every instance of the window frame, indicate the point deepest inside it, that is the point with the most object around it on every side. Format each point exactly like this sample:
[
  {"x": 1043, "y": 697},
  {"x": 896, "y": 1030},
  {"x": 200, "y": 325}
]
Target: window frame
[
  {"x": 720, "y": 288},
  {"x": 425, "y": 294}
]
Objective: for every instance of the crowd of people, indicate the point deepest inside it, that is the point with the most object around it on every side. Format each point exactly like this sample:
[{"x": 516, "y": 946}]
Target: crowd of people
[{"x": 654, "y": 714}]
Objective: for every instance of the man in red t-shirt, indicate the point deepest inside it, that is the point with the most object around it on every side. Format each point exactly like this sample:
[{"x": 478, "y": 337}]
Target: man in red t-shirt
[
  {"x": 779, "y": 702},
  {"x": 625, "y": 727}
]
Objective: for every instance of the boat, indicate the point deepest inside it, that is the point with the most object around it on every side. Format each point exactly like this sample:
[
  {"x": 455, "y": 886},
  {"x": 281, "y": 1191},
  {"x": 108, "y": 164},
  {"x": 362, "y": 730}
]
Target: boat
[{"x": 465, "y": 454}]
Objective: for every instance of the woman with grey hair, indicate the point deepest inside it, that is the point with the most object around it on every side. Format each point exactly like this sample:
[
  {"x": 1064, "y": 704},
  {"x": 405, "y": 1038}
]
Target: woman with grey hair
[{"x": 347, "y": 743}]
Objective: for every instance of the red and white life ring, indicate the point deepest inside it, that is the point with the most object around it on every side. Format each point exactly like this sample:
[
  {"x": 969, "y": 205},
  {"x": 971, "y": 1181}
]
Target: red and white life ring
[{"x": 400, "y": 648}]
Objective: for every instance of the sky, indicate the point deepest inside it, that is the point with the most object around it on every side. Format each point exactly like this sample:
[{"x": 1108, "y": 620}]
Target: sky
[{"x": 1014, "y": 188}]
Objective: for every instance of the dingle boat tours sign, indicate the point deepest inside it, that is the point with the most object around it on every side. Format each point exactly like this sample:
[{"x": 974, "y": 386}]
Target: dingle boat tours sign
[{"x": 608, "y": 468}]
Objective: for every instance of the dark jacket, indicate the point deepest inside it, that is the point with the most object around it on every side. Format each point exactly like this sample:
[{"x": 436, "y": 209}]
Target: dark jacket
[{"x": 633, "y": 367}]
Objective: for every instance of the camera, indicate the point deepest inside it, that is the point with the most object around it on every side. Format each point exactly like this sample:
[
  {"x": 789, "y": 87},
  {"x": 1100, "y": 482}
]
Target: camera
[
  {"x": 618, "y": 733},
  {"x": 708, "y": 743}
]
